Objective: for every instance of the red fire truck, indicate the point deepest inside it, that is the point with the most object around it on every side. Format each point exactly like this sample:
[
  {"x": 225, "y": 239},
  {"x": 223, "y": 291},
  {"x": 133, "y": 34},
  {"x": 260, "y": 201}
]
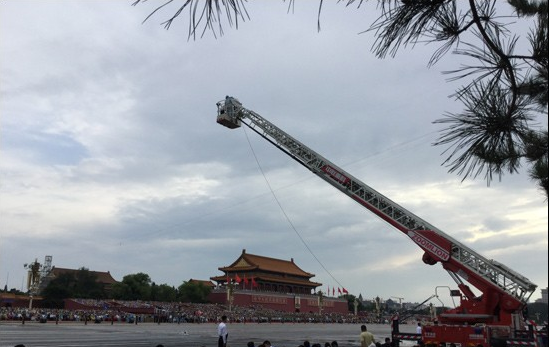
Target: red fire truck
[{"x": 493, "y": 318}]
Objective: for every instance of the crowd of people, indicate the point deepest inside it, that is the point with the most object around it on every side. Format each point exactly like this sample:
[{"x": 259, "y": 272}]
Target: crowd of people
[
  {"x": 161, "y": 312},
  {"x": 306, "y": 343}
]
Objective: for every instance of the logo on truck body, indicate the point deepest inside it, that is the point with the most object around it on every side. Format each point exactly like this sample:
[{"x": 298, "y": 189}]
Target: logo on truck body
[
  {"x": 335, "y": 174},
  {"x": 428, "y": 245}
]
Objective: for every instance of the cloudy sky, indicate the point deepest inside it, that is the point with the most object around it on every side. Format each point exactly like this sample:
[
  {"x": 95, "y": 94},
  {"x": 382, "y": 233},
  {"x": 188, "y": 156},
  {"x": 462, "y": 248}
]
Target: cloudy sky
[{"x": 111, "y": 158}]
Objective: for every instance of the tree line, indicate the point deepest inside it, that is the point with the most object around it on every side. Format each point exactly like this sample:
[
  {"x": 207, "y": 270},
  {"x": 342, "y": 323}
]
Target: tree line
[{"x": 83, "y": 284}]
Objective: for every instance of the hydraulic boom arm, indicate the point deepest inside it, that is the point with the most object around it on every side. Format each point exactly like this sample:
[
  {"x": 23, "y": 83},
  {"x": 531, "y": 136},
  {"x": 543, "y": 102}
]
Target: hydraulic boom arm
[{"x": 504, "y": 292}]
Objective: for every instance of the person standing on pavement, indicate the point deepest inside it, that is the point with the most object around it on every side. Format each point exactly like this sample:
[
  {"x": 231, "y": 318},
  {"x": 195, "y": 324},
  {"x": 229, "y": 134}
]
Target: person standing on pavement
[
  {"x": 222, "y": 332},
  {"x": 366, "y": 337}
]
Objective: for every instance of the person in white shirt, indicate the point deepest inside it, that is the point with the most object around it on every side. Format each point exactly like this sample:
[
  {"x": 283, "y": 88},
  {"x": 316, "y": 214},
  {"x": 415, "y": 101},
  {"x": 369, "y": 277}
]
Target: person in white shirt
[
  {"x": 222, "y": 332},
  {"x": 418, "y": 328}
]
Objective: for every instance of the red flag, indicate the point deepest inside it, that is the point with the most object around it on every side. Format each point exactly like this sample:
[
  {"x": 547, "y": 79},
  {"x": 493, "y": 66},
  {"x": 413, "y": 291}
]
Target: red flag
[
  {"x": 345, "y": 291},
  {"x": 333, "y": 291},
  {"x": 238, "y": 279},
  {"x": 245, "y": 280},
  {"x": 254, "y": 283},
  {"x": 338, "y": 290},
  {"x": 328, "y": 290}
]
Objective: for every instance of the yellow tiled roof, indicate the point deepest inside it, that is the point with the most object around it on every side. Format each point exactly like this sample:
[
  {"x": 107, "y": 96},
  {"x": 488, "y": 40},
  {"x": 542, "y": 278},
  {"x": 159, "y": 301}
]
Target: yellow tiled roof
[{"x": 249, "y": 262}]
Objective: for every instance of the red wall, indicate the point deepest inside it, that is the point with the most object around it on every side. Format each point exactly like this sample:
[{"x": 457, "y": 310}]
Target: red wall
[
  {"x": 13, "y": 300},
  {"x": 281, "y": 302}
]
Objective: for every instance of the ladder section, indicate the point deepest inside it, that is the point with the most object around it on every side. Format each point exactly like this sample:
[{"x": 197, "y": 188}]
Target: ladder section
[{"x": 490, "y": 271}]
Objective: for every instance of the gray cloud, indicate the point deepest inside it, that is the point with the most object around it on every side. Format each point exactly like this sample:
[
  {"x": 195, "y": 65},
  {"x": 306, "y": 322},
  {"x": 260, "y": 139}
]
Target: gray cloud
[{"x": 111, "y": 158}]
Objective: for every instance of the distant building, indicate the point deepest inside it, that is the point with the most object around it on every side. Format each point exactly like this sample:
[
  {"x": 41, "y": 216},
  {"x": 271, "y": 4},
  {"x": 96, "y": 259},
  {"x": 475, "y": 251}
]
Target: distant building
[
  {"x": 207, "y": 284},
  {"x": 543, "y": 296},
  {"x": 251, "y": 271},
  {"x": 102, "y": 277},
  {"x": 272, "y": 283},
  {"x": 14, "y": 300}
]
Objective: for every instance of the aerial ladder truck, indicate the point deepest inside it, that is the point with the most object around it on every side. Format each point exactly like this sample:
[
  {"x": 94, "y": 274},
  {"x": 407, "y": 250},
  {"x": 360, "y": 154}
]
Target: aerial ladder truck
[{"x": 493, "y": 318}]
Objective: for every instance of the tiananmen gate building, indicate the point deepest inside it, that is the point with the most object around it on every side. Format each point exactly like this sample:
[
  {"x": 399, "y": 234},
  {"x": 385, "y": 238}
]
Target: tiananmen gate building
[{"x": 255, "y": 280}]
